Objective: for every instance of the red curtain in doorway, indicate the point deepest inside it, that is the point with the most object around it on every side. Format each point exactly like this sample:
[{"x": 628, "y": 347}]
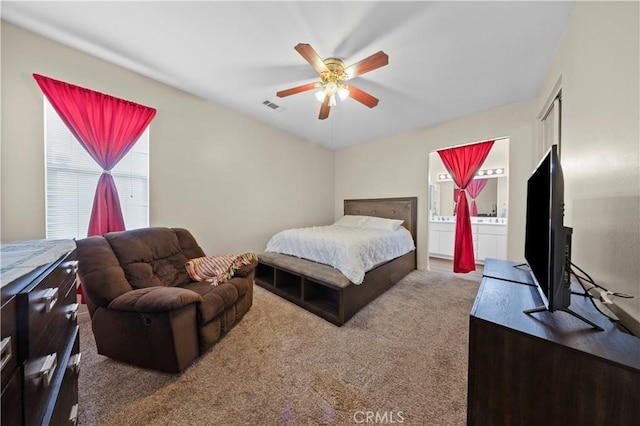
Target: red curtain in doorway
[
  {"x": 107, "y": 128},
  {"x": 463, "y": 163}
]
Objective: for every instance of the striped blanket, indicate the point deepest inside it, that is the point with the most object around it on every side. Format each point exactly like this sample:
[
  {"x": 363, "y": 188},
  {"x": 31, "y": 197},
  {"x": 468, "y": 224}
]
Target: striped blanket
[{"x": 217, "y": 269}]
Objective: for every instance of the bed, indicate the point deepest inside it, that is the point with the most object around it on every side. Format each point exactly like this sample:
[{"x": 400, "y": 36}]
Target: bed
[{"x": 325, "y": 291}]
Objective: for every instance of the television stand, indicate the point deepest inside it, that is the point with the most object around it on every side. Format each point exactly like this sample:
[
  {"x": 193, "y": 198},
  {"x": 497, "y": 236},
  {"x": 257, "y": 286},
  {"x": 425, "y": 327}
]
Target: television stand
[
  {"x": 567, "y": 310},
  {"x": 525, "y": 369}
]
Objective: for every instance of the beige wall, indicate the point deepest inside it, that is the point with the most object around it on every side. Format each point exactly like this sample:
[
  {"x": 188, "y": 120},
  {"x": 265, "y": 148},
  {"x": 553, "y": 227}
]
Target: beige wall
[
  {"x": 398, "y": 166},
  {"x": 597, "y": 62},
  {"x": 230, "y": 179}
]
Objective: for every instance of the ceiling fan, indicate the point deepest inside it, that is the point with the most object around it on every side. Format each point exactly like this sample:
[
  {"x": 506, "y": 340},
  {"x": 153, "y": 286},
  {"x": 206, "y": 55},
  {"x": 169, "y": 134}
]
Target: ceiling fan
[{"x": 333, "y": 75}]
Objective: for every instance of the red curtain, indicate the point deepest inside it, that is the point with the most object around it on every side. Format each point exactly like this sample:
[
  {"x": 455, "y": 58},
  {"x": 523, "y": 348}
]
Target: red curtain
[
  {"x": 107, "y": 128},
  {"x": 463, "y": 163},
  {"x": 474, "y": 189}
]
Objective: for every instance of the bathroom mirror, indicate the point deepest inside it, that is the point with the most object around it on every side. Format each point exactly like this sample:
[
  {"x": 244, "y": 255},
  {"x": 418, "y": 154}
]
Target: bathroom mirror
[{"x": 490, "y": 202}]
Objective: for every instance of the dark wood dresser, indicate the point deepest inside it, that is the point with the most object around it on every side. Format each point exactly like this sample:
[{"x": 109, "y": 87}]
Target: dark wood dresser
[
  {"x": 40, "y": 345},
  {"x": 546, "y": 368}
]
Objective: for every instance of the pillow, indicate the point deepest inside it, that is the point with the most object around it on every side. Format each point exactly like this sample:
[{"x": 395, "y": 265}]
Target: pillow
[
  {"x": 381, "y": 223},
  {"x": 351, "y": 221},
  {"x": 217, "y": 269}
]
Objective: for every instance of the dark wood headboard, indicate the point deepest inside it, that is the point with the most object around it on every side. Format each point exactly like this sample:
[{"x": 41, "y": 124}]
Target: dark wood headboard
[{"x": 392, "y": 208}]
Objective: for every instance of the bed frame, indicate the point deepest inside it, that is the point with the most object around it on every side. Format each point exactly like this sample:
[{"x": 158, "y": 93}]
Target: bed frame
[{"x": 322, "y": 289}]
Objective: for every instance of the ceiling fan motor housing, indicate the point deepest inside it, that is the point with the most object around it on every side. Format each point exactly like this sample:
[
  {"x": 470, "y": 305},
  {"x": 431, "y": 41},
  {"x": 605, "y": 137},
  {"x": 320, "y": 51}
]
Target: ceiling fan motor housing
[{"x": 335, "y": 71}]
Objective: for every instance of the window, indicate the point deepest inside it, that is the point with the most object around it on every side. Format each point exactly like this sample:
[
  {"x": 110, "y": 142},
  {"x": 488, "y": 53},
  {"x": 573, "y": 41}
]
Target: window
[{"x": 72, "y": 176}]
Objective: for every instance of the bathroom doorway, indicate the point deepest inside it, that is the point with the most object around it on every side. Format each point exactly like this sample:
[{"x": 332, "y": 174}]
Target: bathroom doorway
[{"x": 489, "y": 223}]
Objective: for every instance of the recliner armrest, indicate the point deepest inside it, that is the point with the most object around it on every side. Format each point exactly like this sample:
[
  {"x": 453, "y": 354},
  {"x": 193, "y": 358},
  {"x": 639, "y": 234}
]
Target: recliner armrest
[
  {"x": 245, "y": 270},
  {"x": 154, "y": 299}
]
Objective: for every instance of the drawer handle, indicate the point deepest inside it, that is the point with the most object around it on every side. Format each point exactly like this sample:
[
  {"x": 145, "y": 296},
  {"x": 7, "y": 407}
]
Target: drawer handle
[
  {"x": 73, "y": 311},
  {"x": 50, "y": 367},
  {"x": 5, "y": 349},
  {"x": 74, "y": 363},
  {"x": 71, "y": 267},
  {"x": 73, "y": 415},
  {"x": 50, "y": 298},
  {"x": 43, "y": 369}
]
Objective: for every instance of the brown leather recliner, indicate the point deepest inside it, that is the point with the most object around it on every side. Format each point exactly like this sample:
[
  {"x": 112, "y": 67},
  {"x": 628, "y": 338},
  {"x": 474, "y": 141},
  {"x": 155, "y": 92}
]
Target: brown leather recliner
[{"x": 145, "y": 309}]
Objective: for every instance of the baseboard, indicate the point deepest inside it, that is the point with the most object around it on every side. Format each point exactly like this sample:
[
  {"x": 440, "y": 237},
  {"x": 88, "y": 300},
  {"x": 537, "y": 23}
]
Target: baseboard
[
  {"x": 83, "y": 316},
  {"x": 628, "y": 320},
  {"x": 83, "y": 311}
]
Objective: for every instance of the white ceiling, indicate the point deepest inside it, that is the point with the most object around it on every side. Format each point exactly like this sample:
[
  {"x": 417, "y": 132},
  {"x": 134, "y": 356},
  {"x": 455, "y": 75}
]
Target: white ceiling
[{"x": 446, "y": 59}]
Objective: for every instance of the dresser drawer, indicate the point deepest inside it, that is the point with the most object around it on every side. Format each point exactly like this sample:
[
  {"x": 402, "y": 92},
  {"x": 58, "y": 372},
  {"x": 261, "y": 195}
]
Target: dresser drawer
[
  {"x": 47, "y": 359},
  {"x": 48, "y": 312},
  {"x": 9, "y": 345},
  {"x": 11, "y": 414},
  {"x": 42, "y": 391},
  {"x": 65, "y": 411}
]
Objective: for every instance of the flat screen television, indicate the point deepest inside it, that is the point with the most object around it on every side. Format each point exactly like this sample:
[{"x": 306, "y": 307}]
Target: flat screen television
[{"x": 547, "y": 247}]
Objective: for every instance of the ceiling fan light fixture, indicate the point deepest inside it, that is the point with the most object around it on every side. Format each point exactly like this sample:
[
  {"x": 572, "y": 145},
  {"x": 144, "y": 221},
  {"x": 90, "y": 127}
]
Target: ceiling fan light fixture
[
  {"x": 331, "y": 88},
  {"x": 343, "y": 92},
  {"x": 332, "y": 100},
  {"x": 320, "y": 95}
]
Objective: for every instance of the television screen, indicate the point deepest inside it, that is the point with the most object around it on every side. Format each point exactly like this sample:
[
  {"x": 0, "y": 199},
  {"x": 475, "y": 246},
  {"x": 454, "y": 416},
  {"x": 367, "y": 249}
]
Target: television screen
[{"x": 547, "y": 240}]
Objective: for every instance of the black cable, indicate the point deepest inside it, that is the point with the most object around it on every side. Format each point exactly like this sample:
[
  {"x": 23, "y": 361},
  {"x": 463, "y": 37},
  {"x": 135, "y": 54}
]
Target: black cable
[
  {"x": 590, "y": 297},
  {"x": 588, "y": 278},
  {"x": 591, "y": 280},
  {"x": 618, "y": 323}
]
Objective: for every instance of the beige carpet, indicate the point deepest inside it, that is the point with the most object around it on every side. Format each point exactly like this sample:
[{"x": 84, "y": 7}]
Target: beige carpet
[{"x": 404, "y": 356}]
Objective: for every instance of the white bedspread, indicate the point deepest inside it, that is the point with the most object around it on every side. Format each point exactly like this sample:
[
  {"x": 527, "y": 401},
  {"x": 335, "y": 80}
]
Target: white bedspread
[{"x": 352, "y": 251}]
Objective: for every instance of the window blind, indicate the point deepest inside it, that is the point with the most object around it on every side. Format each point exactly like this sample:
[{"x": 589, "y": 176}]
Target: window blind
[{"x": 72, "y": 176}]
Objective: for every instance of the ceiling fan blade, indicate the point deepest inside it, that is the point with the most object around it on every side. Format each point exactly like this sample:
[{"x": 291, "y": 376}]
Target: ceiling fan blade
[
  {"x": 369, "y": 63},
  {"x": 362, "y": 97},
  {"x": 311, "y": 56},
  {"x": 298, "y": 89},
  {"x": 324, "y": 109}
]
